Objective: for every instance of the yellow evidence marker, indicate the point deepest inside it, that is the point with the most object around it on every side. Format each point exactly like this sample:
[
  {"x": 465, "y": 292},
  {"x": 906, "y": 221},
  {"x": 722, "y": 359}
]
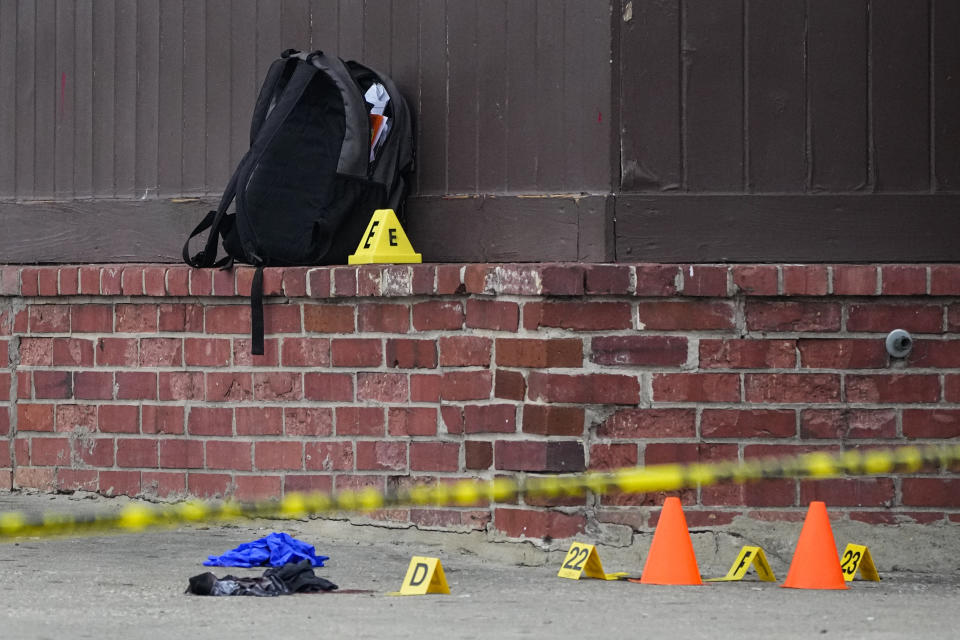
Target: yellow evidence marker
[
  {"x": 384, "y": 242},
  {"x": 748, "y": 556},
  {"x": 857, "y": 556},
  {"x": 583, "y": 561},
  {"x": 424, "y": 575}
]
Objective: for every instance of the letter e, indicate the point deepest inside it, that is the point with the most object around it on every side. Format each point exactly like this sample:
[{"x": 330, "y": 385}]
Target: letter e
[{"x": 373, "y": 230}]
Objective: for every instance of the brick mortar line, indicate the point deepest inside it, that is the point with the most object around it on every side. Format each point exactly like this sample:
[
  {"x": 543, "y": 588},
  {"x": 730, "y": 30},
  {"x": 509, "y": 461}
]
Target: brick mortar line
[
  {"x": 11, "y": 308},
  {"x": 281, "y": 299},
  {"x": 386, "y": 369},
  {"x": 467, "y": 473},
  {"x": 741, "y": 442},
  {"x": 611, "y": 369},
  {"x": 489, "y": 402},
  {"x": 542, "y": 333},
  {"x": 13, "y": 357}
]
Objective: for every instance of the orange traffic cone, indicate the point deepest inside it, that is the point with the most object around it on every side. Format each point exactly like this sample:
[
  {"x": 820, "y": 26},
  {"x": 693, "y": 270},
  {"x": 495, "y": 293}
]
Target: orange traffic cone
[
  {"x": 671, "y": 559},
  {"x": 815, "y": 563}
]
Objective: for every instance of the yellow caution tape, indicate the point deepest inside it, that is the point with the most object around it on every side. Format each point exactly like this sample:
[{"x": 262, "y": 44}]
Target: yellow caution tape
[{"x": 669, "y": 477}]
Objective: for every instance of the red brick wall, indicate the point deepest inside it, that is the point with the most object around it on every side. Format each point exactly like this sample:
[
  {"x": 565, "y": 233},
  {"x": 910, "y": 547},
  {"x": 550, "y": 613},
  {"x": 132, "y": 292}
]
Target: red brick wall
[{"x": 138, "y": 380}]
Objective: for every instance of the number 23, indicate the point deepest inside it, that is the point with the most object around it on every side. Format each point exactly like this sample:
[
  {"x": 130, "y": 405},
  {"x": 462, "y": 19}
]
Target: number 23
[{"x": 850, "y": 561}]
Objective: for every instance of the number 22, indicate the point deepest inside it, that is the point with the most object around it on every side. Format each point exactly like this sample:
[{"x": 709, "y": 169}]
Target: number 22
[{"x": 577, "y": 557}]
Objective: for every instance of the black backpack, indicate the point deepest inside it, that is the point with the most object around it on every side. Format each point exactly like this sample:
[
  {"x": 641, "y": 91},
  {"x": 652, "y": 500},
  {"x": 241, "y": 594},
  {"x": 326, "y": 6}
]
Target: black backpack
[{"x": 306, "y": 188}]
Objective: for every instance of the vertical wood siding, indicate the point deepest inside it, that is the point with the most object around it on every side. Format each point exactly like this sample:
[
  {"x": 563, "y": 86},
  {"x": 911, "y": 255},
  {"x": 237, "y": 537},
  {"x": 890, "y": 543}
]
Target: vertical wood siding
[
  {"x": 790, "y": 96},
  {"x": 139, "y": 99}
]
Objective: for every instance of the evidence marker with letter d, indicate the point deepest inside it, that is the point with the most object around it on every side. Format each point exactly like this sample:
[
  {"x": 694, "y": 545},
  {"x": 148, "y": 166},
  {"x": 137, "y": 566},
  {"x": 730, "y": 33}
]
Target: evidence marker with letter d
[{"x": 424, "y": 575}]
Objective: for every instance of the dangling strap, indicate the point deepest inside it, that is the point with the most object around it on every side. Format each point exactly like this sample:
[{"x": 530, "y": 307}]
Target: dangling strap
[
  {"x": 256, "y": 312},
  {"x": 207, "y": 257}
]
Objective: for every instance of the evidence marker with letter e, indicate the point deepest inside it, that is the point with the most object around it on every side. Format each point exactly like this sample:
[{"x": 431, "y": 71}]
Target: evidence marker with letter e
[
  {"x": 384, "y": 242},
  {"x": 748, "y": 556}
]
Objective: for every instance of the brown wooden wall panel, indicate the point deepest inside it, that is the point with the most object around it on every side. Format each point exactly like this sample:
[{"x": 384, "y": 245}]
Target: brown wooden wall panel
[
  {"x": 64, "y": 134},
  {"x": 837, "y": 95},
  {"x": 431, "y": 105},
  {"x": 46, "y": 97},
  {"x": 650, "y": 93},
  {"x": 145, "y": 101},
  {"x": 776, "y": 127},
  {"x": 97, "y": 231},
  {"x": 170, "y": 101},
  {"x": 900, "y": 94},
  {"x": 589, "y": 102},
  {"x": 442, "y": 228},
  {"x": 193, "y": 172},
  {"x": 789, "y": 228},
  {"x": 8, "y": 96},
  {"x": 26, "y": 115},
  {"x": 946, "y": 91},
  {"x": 82, "y": 99},
  {"x": 511, "y": 228},
  {"x": 350, "y": 30},
  {"x": 103, "y": 61},
  {"x": 790, "y": 96},
  {"x": 148, "y": 99},
  {"x": 462, "y": 138},
  {"x": 404, "y": 48},
  {"x": 492, "y": 62},
  {"x": 324, "y": 25},
  {"x": 269, "y": 40},
  {"x": 521, "y": 48},
  {"x": 218, "y": 60},
  {"x": 548, "y": 136},
  {"x": 713, "y": 95},
  {"x": 125, "y": 139},
  {"x": 377, "y": 45},
  {"x": 134, "y": 99},
  {"x": 244, "y": 80},
  {"x": 294, "y": 18}
]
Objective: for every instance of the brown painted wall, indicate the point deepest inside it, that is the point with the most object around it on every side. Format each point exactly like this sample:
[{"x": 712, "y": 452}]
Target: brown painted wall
[
  {"x": 804, "y": 130},
  {"x": 791, "y": 96},
  {"x": 146, "y": 99},
  {"x": 657, "y": 130}
]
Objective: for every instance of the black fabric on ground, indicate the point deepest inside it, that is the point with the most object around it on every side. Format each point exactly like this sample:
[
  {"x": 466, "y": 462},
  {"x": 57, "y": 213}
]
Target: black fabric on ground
[{"x": 277, "y": 581}]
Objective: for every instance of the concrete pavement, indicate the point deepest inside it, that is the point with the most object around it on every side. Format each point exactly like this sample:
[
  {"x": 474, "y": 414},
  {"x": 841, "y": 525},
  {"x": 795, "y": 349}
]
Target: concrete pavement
[{"x": 131, "y": 586}]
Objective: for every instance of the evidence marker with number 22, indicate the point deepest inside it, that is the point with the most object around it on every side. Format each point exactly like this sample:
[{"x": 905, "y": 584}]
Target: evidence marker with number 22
[{"x": 583, "y": 561}]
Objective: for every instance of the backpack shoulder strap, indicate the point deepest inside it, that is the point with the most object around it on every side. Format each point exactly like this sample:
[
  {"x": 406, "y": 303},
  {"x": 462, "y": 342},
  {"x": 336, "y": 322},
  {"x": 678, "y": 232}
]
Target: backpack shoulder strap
[
  {"x": 214, "y": 220},
  {"x": 277, "y": 76},
  {"x": 355, "y": 151},
  {"x": 272, "y": 120}
]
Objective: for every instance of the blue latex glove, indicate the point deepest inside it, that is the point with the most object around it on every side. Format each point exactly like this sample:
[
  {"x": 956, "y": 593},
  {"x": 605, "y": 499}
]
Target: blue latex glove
[{"x": 275, "y": 550}]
